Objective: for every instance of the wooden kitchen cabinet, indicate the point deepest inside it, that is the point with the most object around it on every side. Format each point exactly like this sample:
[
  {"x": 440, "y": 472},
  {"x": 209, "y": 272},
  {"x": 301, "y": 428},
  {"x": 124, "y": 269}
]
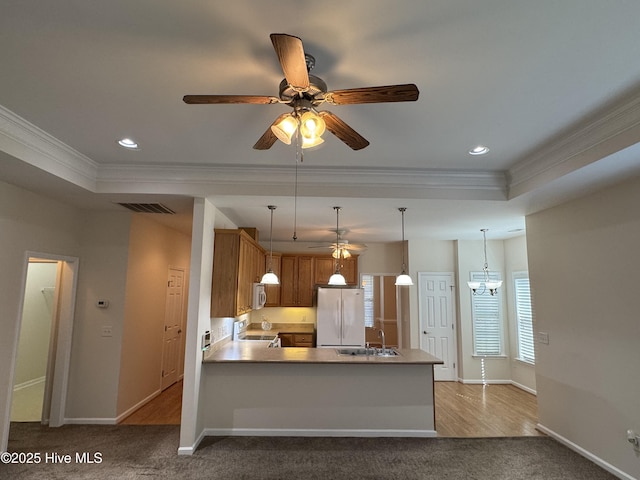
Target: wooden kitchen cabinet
[
  {"x": 325, "y": 266},
  {"x": 273, "y": 291},
  {"x": 238, "y": 262},
  {"x": 297, "y": 340},
  {"x": 296, "y": 280}
]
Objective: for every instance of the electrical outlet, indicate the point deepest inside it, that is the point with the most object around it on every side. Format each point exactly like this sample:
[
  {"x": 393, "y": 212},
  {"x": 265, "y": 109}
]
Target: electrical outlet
[{"x": 106, "y": 331}]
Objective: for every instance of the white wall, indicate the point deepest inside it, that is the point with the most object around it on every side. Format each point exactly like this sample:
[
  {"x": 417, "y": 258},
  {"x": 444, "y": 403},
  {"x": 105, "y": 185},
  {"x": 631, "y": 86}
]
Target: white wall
[
  {"x": 584, "y": 264},
  {"x": 153, "y": 248},
  {"x": 205, "y": 219}
]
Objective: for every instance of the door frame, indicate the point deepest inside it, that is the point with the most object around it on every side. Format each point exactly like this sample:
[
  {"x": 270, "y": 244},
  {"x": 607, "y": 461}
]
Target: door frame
[
  {"x": 61, "y": 329},
  {"x": 422, "y": 277}
]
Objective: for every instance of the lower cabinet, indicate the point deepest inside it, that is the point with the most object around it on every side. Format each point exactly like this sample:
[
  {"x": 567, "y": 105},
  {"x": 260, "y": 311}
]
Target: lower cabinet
[{"x": 297, "y": 340}]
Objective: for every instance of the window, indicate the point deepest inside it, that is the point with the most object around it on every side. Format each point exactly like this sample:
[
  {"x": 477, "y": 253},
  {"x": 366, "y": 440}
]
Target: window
[
  {"x": 524, "y": 317},
  {"x": 367, "y": 284},
  {"x": 486, "y": 313}
]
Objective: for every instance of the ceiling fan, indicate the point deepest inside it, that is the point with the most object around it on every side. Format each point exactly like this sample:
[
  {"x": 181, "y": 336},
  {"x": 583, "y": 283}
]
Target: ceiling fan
[
  {"x": 303, "y": 93},
  {"x": 342, "y": 248}
]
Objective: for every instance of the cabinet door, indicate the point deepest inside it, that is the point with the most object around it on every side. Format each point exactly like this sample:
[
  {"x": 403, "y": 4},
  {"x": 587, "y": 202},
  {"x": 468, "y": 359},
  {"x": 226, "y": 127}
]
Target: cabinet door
[
  {"x": 305, "y": 282},
  {"x": 273, "y": 291},
  {"x": 245, "y": 283},
  {"x": 349, "y": 269},
  {"x": 324, "y": 268},
  {"x": 288, "y": 292}
]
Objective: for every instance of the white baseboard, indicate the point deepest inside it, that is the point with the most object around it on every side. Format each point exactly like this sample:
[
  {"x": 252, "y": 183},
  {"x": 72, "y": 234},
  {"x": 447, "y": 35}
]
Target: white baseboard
[
  {"x": 90, "y": 421},
  {"x": 319, "y": 432},
  {"x": 498, "y": 382},
  {"x": 192, "y": 448},
  {"x": 29, "y": 383},
  {"x": 525, "y": 388},
  {"x": 141, "y": 403},
  {"x": 484, "y": 382},
  {"x": 585, "y": 453}
]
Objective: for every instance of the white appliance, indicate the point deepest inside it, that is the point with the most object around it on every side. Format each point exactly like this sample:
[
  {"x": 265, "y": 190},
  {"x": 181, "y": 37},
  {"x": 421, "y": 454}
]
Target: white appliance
[
  {"x": 340, "y": 317},
  {"x": 259, "y": 296},
  {"x": 268, "y": 339}
]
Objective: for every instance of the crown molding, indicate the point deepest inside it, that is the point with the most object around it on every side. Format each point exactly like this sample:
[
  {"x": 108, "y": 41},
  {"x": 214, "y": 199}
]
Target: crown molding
[
  {"x": 36, "y": 147},
  {"x": 612, "y": 129},
  {"x": 312, "y": 181}
]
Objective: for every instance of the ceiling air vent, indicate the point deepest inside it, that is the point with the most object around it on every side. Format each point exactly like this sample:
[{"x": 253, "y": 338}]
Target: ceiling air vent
[{"x": 148, "y": 208}]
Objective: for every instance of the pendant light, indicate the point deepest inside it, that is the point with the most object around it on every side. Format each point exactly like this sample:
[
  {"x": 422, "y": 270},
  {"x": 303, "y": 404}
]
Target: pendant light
[
  {"x": 270, "y": 278},
  {"x": 403, "y": 279},
  {"x": 337, "y": 278},
  {"x": 492, "y": 285}
]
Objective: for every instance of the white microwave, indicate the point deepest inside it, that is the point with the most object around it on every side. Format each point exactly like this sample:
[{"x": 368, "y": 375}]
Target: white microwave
[{"x": 259, "y": 296}]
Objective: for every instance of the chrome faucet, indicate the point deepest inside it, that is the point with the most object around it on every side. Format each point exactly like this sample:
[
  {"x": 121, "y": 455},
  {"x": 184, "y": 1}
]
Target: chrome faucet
[{"x": 381, "y": 335}]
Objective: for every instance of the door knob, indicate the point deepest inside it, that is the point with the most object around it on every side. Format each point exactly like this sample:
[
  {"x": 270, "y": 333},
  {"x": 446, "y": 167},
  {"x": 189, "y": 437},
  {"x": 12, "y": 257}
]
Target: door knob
[{"x": 425, "y": 332}]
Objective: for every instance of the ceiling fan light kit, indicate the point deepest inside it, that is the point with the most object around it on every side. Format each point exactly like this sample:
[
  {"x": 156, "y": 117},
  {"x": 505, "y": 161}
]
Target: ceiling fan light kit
[{"x": 304, "y": 93}]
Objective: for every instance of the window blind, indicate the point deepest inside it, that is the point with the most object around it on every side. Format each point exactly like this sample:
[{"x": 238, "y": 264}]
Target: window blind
[
  {"x": 487, "y": 319},
  {"x": 367, "y": 285},
  {"x": 524, "y": 319}
]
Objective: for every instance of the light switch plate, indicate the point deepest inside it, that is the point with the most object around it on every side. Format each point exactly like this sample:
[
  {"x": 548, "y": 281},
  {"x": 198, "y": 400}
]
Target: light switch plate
[{"x": 543, "y": 337}]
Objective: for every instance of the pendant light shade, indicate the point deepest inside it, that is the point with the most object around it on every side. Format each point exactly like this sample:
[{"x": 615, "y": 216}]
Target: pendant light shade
[
  {"x": 337, "y": 278},
  {"x": 403, "y": 279},
  {"x": 270, "y": 278},
  {"x": 491, "y": 285}
]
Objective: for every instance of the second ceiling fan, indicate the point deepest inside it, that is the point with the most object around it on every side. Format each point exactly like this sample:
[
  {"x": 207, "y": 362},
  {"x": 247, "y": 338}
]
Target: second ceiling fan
[{"x": 303, "y": 93}]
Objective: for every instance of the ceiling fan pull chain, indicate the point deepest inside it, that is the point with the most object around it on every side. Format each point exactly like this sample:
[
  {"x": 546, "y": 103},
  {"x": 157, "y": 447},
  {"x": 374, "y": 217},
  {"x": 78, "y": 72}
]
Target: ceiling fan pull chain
[{"x": 295, "y": 204}]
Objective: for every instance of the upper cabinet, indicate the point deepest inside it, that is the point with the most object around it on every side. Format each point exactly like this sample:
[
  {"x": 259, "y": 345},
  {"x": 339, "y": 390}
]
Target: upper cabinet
[
  {"x": 238, "y": 262},
  {"x": 325, "y": 266},
  {"x": 296, "y": 280}
]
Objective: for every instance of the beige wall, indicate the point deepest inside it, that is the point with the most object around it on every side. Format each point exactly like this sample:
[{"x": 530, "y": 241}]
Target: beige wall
[
  {"x": 153, "y": 248},
  {"x": 470, "y": 258},
  {"x": 583, "y": 264},
  {"x": 95, "y": 360},
  {"x": 27, "y": 222},
  {"x": 515, "y": 254}
]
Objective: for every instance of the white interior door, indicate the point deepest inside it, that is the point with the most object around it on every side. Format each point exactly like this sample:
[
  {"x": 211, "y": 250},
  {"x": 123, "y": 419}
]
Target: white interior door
[
  {"x": 172, "y": 327},
  {"x": 437, "y": 321}
]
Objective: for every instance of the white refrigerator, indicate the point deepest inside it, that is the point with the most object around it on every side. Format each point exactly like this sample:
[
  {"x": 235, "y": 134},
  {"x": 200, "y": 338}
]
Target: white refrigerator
[{"x": 340, "y": 317}]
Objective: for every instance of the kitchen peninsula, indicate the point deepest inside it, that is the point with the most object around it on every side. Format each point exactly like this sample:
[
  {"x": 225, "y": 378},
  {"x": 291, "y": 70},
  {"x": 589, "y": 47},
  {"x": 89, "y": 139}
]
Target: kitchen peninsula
[{"x": 252, "y": 390}]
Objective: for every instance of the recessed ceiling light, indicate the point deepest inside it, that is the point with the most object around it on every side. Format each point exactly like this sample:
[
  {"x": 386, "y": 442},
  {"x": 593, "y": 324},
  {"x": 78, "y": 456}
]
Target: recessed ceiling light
[
  {"x": 128, "y": 143},
  {"x": 479, "y": 150}
]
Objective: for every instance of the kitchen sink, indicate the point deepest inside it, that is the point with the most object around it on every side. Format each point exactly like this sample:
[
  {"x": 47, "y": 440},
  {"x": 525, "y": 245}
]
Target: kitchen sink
[{"x": 375, "y": 352}]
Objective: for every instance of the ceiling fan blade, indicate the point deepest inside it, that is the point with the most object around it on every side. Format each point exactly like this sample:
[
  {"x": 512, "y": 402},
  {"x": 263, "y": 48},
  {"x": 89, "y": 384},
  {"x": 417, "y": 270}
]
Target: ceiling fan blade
[
  {"x": 343, "y": 131},
  {"x": 268, "y": 138},
  {"x": 291, "y": 55},
  {"x": 389, "y": 93},
  {"x": 208, "y": 99}
]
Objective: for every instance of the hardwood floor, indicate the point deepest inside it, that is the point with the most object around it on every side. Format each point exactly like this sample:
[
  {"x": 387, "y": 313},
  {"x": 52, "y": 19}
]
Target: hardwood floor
[
  {"x": 484, "y": 411},
  {"x": 165, "y": 409},
  {"x": 461, "y": 410}
]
